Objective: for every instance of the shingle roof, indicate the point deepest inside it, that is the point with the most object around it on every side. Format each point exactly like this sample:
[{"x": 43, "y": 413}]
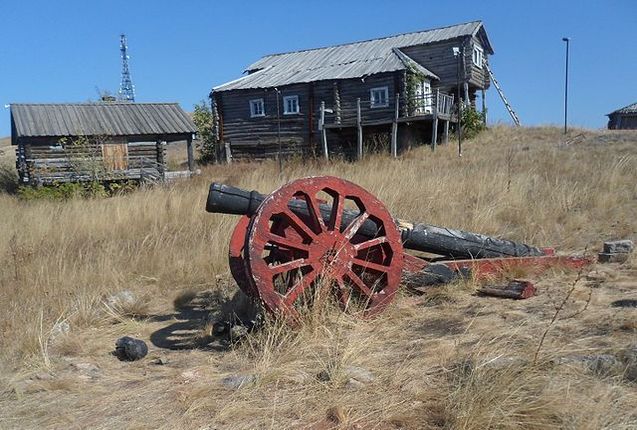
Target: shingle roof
[
  {"x": 352, "y": 60},
  {"x": 626, "y": 109},
  {"x": 100, "y": 119}
]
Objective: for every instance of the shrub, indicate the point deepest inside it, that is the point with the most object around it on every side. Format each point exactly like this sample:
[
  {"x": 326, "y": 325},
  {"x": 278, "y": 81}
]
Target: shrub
[
  {"x": 472, "y": 122},
  {"x": 63, "y": 191}
]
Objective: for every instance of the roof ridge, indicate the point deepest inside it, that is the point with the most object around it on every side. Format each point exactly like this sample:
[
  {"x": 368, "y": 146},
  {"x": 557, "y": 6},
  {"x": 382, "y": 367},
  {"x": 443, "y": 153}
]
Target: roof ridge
[
  {"x": 370, "y": 40},
  {"x": 94, "y": 104}
]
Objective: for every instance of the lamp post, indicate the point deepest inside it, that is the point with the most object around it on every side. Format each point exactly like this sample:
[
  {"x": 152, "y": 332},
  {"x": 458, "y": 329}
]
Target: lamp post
[
  {"x": 567, "y": 40},
  {"x": 456, "y": 53}
]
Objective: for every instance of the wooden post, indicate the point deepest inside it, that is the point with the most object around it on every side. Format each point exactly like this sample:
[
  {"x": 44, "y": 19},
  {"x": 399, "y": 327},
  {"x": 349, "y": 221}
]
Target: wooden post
[
  {"x": 446, "y": 132},
  {"x": 359, "y": 127},
  {"x": 394, "y": 129},
  {"x": 326, "y": 153},
  {"x": 191, "y": 155},
  {"x": 484, "y": 106},
  {"x": 337, "y": 104},
  {"x": 228, "y": 152},
  {"x": 161, "y": 164},
  {"x": 434, "y": 125}
]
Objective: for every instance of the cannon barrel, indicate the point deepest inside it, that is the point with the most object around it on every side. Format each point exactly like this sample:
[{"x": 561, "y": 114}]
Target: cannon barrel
[{"x": 415, "y": 236}]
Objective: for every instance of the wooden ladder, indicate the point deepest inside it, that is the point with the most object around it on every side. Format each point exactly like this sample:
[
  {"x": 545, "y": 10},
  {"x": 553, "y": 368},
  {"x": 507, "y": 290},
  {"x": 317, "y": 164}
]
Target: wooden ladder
[{"x": 516, "y": 120}]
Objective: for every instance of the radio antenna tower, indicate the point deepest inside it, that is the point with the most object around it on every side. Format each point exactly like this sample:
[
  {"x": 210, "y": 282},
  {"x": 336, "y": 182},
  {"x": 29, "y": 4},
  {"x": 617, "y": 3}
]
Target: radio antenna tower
[{"x": 126, "y": 88}]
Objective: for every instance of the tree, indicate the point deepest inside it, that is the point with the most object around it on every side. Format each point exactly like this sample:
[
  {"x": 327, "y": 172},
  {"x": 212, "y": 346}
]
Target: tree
[{"x": 207, "y": 141}]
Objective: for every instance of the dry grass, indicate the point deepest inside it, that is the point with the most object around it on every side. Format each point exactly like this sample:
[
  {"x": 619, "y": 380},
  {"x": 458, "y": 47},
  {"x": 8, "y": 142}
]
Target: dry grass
[{"x": 431, "y": 357}]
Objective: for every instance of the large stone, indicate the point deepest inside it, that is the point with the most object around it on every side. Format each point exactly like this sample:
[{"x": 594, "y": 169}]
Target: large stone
[
  {"x": 122, "y": 299},
  {"x": 86, "y": 370},
  {"x": 130, "y": 349},
  {"x": 619, "y": 246}
]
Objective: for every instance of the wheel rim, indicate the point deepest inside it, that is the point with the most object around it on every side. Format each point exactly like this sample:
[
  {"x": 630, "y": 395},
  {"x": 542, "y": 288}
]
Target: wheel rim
[{"x": 323, "y": 252}]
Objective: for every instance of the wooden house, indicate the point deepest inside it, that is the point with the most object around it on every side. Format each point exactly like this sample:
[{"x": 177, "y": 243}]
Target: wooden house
[
  {"x": 325, "y": 100},
  {"x": 97, "y": 141},
  {"x": 624, "y": 118}
]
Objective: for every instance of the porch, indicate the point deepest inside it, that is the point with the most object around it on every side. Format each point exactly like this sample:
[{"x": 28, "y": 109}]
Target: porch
[{"x": 432, "y": 108}]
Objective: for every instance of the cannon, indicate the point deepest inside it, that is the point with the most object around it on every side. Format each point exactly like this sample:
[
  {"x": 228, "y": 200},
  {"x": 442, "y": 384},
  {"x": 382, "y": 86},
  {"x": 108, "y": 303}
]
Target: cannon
[{"x": 327, "y": 235}]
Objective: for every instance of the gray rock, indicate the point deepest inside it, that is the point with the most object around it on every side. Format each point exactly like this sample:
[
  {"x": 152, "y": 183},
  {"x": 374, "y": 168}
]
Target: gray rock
[
  {"x": 160, "y": 361},
  {"x": 234, "y": 382},
  {"x": 323, "y": 376},
  {"x": 359, "y": 374},
  {"x": 60, "y": 328},
  {"x": 121, "y": 299},
  {"x": 238, "y": 332},
  {"x": 86, "y": 370},
  {"x": 353, "y": 384},
  {"x": 130, "y": 349},
  {"x": 619, "y": 246},
  {"x": 43, "y": 376}
]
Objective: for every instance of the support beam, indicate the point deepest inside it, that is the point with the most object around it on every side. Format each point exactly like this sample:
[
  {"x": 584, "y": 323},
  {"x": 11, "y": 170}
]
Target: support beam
[
  {"x": 394, "y": 129},
  {"x": 434, "y": 125},
  {"x": 326, "y": 153},
  {"x": 484, "y": 106},
  {"x": 191, "y": 155},
  {"x": 160, "y": 147},
  {"x": 228, "y": 152},
  {"x": 359, "y": 127},
  {"x": 446, "y": 132}
]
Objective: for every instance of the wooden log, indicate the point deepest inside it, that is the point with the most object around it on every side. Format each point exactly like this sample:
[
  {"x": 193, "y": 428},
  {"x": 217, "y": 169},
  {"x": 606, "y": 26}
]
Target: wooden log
[
  {"x": 191, "y": 155},
  {"x": 516, "y": 289},
  {"x": 326, "y": 153},
  {"x": 445, "y": 135},
  {"x": 434, "y": 126}
]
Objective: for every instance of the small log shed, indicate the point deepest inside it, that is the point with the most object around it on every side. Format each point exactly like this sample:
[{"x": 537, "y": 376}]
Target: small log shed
[
  {"x": 74, "y": 142},
  {"x": 624, "y": 118}
]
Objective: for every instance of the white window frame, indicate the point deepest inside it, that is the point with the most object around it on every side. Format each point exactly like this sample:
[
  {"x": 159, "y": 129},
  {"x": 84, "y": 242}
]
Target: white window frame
[
  {"x": 253, "y": 111},
  {"x": 373, "y": 103},
  {"x": 478, "y": 56},
  {"x": 296, "y": 103}
]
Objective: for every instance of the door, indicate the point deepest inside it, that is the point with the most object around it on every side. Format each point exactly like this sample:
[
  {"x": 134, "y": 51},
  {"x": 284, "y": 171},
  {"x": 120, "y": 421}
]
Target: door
[
  {"x": 115, "y": 156},
  {"x": 423, "y": 97}
]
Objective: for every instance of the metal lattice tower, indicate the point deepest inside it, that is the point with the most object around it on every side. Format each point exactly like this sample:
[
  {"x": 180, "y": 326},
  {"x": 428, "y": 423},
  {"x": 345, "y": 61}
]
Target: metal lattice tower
[{"x": 126, "y": 87}]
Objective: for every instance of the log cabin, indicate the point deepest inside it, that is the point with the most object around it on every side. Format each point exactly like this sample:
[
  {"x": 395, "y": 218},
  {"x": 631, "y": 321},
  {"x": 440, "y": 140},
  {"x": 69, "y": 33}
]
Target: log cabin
[
  {"x": 624, "y": 118},
  {"x": 74, "y": 142},
  {"x": 330, "y": 100}
]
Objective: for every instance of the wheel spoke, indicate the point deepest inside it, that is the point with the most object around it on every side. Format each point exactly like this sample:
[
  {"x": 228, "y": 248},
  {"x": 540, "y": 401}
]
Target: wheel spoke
[
  {"x": 284, "y": 242},
  {"x": 298, "y": 288},
  {"x": 370, "y": 243},
  {"x": 314, "y": 209},
  {"x": 343, "y": 293},
  {"x": 337, "y": 213},
  {"x": 351, "y": 229},
  {"x": 358, "y": 283},
  {"x": 298, "y": 223},
  {"x": 370, "y": 265},
  {"x": 287, "y": 266}
]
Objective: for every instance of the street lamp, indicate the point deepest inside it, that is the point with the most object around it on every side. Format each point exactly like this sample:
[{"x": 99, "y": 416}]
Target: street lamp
[
  {"x": 567, "y": 40},
  {"x": 456, "y": 53}
]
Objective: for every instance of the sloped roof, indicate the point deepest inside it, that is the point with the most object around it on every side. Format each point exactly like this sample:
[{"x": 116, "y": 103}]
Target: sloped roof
[
  {"x": 100, "y": 119},
  {"x": 626, "y": 109},
  {"x": 351, "y": 60}
]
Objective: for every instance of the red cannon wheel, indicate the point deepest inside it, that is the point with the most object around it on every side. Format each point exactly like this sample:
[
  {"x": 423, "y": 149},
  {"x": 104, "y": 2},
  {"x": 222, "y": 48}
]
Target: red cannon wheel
[{"x": 292, "y": 255}]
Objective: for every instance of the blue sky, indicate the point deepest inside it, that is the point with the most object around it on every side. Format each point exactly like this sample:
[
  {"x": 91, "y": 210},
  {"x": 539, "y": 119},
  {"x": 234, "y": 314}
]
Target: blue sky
[{"x": 60, "y": 51}]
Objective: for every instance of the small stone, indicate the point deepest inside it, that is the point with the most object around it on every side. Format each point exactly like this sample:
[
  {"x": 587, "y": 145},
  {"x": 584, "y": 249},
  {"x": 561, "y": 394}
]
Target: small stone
[
  {"x": 59, "y": 328},
  {"x": 43, "y": 376},
  {"x": 86, "y": 370},
  {"x": 130, "y": 349},
  {"x": 160, "y": 361},
  {"x": 121, "y": 299},
  {"x": 619, "y": 246},
  {"x": 359, "y": 374},
  {"x": 234, "y": 382},
  {"x": 604, "y": 257},
  {"x": 353, "y": 384},
  {"x": 323, "y": 376},
  {"x": 190, "y": 375}
]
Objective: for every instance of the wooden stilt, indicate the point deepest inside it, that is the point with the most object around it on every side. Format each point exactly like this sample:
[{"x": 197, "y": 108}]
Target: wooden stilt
[
  {"x": 484, "y": 106},
  {"x": 191, "y": 155},
  {"x": 359, "y": 127},
  {"x": 326, "y": 153},
  {"x": 394, "y": 130},
  {"x": 446, "y": 132},
  {"x": 434, "y": 126}
]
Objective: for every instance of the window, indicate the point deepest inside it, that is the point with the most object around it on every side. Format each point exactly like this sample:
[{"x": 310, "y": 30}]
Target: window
[
  {"x": 477, "y": 56},
  {"x": 290, "y": 105},
  {"x": 379, "y": 97},
  {"x": 257, "y": 108}
]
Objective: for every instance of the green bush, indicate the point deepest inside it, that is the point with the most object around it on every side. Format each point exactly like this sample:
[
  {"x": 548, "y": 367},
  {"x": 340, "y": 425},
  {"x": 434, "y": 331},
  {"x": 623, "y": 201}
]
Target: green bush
[
  {"x": 472, "y": 122},
  {"x": 63, "y": 191}
]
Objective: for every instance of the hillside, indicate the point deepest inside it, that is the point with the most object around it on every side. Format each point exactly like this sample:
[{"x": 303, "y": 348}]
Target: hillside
[{"x": 447, "y": 359}]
